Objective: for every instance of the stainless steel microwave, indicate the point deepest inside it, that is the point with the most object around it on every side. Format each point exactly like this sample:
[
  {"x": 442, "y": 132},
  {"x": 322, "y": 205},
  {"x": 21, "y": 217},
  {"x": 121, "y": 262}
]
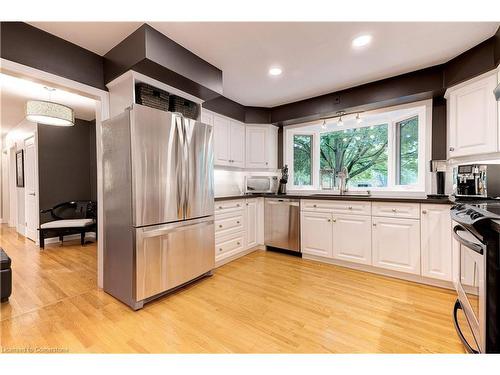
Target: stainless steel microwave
[{"x": 261, "y": 184}]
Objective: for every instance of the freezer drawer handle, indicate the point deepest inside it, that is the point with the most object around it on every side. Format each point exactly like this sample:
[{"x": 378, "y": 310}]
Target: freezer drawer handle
[
  {"x": 469, "y": 348},
  {"x": 471, "y": 245}
]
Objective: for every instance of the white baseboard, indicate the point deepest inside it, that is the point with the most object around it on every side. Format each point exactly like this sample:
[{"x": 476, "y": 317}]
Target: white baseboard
[
  {"x": 21, "y": 229},
  {"x": 69, "y": 237},
  {"x": 379, "y": 271}
]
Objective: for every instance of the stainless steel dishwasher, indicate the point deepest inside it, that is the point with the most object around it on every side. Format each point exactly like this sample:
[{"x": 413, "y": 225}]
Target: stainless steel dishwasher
[{"x": 282, "y": 223}]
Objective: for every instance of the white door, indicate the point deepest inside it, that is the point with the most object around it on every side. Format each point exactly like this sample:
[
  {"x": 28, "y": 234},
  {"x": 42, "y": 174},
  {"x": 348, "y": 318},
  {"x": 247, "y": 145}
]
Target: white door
[
  {"x": 436, "y": 245},
  {"x": 352, "y": 238},
  {"x": 396, "y": 244},
  {"x": 316, "y": 233},
  {"x": 472, "y": 112},
  {"x": 251, "y": 223},
  {"x": 221, "y": 140},
  {"x": 237, "y": 144},
  {"x": 30, "y": 189},
  {"x": 257, "y": 147}
]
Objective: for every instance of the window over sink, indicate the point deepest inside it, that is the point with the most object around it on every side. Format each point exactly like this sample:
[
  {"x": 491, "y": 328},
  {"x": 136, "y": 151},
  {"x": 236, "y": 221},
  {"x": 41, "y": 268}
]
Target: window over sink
[{"x": 384, "y": 151}]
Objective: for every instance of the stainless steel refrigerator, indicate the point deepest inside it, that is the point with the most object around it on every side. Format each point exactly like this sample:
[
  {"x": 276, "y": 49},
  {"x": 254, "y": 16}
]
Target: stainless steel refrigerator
[{"x": 158, "y": 203}]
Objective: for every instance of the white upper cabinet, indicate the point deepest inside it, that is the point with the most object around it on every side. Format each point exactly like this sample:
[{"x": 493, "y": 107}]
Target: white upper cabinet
[
  {"x": 352, "y": 238},
  {"x": 237, "y": 144},
  {"x": 261, "y": 146},
  {"x": 229, "y": 140},
  {"x": 436, "y": 244},
  {"x": 472, "y": 117},
  {"x": 396, "y": 244},
  {"x": 222, "y": 138}
]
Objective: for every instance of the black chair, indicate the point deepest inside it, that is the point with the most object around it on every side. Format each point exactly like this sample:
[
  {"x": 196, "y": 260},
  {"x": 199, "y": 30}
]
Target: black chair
[
  {"x": 69, "y": 218},
  {"x": 5, "y": 276}
]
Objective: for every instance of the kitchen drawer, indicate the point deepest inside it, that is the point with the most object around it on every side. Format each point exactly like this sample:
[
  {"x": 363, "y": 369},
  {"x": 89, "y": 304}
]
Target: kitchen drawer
[
  {"x": 229, "y": 222},
  {"x": 402, "y": 210},
  {"x": 227, "y": 206},
  {"x": 229, "y": 245},
  {"x": 336, "y": 207}
]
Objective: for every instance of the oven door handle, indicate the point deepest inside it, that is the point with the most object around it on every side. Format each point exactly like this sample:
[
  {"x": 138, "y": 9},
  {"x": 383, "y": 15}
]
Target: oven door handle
[
  {"x": 471, "y": 245},
  {"x": 469, "y": 348}
]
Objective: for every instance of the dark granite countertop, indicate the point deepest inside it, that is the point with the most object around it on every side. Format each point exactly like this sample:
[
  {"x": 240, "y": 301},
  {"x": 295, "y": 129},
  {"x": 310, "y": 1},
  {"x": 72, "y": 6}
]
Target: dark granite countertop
[{"x": 342, "y": 197}]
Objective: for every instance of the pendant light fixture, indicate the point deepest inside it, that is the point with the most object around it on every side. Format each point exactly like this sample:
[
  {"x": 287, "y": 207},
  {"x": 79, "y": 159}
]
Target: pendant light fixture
[
  {"x": 48, "y": 112},
  {"x": 323, "y": 125}
]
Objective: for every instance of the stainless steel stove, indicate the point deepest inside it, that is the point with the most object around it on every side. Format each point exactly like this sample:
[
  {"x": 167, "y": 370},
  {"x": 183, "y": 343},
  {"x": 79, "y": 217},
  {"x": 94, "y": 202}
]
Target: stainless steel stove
[{"x": 477, "y": 278}]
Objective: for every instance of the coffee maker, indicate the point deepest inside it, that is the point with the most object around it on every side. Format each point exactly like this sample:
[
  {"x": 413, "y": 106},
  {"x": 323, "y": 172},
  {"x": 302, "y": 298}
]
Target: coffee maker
[{"x": 477, "y": 180}]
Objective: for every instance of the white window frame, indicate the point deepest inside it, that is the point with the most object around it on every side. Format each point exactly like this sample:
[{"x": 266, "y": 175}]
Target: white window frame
[
  {"x": 314, "y": 159},
  {"x": 422, "y": 109}
]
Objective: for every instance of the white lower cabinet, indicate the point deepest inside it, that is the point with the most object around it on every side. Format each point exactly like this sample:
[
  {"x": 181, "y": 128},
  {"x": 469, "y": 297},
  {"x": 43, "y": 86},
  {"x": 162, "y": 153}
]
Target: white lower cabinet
[
  {"x": 236, "y": 227},
  {"x": 396, "y": 244},
  {"x": 251, "y": 223},
  {"x": 316, "y": 233},
  {"x": 436, "y": 241},
  {"x": 352, "y": 238}
]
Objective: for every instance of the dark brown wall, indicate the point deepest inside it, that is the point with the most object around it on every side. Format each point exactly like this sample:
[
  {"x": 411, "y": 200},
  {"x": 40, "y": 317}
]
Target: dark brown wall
[
  {"x": 150, "y": 52},
  {"x": 27, "y": 45},
  {"x": 67, "y": 164},
  {"x": 226, "y": 107},
  {"x": 439, "y": 128}
]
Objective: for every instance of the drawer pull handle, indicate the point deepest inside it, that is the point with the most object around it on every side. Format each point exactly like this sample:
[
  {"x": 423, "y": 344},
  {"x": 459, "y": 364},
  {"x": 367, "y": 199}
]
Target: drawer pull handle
[
  {"x": 220, "y": 207},
  {"x": 350, "y": 207},
  {"x": 329, "y": 220},
  {"x": 220, "y": 249},
  {"x": 220, "y": 225},
  {"x": 315, "y": 206},
  {"x": 374, "y": 224},
  {"x": 424, "y": 212},
  {"x": 247, "y": 204},
  {"x": 238, "y": 205},
  {"x": 393, "y": 210},
  {"x": 238, "y": 243},
  {"x": 334, "y": 220},
  {"x": 452, "y": 148},
  {"x": 238, "y": 222}
]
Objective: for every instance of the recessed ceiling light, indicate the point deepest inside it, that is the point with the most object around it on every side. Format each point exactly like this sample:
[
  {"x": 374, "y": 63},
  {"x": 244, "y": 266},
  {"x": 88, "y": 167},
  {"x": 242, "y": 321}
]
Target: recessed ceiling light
[
  {"x": 275, "y": 71},
  {"x": 361, "y": 41}
]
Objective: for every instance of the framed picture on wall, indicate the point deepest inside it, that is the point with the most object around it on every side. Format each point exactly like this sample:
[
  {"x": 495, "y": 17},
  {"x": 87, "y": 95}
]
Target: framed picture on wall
[{"x": 20, "y": 168}]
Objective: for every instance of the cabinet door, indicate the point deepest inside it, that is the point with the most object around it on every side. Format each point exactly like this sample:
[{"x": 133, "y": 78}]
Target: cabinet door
[
  {"x": 207, "y": 117},
  {"x": 396, "y": 244},
  {"x": 316, "y": 233},
  {"x": 251, "y": 223},
  {"x": 272, "y": 142},
  {"x": 221, "y": 140},
  {"x": 472, "y": 112},
  {"x": 257, "y": 147},
  {"x": 436, "y": 245},
  {"x": 237, "y": 144},
  {"x": 352, "y": 238}
]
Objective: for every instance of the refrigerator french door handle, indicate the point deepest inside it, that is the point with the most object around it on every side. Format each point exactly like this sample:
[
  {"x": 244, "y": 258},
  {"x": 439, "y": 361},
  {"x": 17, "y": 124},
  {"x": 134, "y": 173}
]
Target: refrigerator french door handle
[
  {"x": 185, "y": 167},
  {"x": 181, "y": 186}
]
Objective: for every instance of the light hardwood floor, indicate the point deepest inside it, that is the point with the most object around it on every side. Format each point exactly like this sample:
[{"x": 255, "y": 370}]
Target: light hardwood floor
[{"x": 262, "y": 303}]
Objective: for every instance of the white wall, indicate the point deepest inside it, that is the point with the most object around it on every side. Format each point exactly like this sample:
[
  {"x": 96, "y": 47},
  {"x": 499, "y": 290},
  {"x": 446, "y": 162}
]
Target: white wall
[{"x": 14, "y": 141}]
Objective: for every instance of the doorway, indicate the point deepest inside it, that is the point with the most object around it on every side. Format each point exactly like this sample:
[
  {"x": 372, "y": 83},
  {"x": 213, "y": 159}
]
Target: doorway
[{"x": 30, "y": 189}]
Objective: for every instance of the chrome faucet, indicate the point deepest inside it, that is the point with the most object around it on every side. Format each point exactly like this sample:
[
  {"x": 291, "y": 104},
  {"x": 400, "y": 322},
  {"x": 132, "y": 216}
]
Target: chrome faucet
[{"x": 343, "y": 175}]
